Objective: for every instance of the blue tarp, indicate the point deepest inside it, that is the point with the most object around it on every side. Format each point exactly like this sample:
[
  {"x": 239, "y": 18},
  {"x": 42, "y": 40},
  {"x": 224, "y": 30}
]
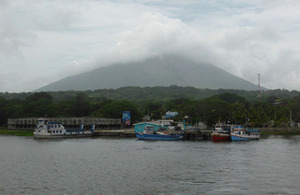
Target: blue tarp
[{"x": 253, "y": 130}]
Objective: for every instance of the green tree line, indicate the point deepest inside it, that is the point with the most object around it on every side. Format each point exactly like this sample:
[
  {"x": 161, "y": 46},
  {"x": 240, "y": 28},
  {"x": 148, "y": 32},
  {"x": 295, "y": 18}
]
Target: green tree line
[
  {"x": 142, "y": 94},
  {"x": 225, "y": 107}
]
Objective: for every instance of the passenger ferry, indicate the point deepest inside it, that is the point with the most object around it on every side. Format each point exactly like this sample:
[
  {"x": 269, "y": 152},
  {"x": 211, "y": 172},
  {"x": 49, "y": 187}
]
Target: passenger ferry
[{"x": 50, "y": 130}]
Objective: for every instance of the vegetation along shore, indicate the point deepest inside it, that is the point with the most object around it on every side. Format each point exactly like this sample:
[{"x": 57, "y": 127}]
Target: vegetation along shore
[
  {"x": 16, "y": 132},
  {"x": 277, "y": 109},
  {"x": 280, "y": 131}
]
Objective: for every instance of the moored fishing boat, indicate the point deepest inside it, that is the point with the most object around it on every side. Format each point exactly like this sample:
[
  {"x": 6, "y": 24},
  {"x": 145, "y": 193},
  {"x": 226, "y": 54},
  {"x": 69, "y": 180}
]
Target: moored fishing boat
[
  {"x": 221, "y": 132},
  {"x": 52, "y": 130},
  {"x": 159, "y": 136},
  {"x": 240, "y": 133},
  {"x": 157, "y": 130}
]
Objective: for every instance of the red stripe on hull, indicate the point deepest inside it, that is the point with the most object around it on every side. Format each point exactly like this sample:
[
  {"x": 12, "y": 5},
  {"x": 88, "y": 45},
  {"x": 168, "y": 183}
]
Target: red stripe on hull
[{"x": 220, "y": 138}]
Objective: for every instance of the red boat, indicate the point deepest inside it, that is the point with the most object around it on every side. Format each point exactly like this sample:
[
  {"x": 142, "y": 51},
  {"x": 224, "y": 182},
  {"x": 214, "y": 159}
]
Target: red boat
[{"x": 221, "y": 132}]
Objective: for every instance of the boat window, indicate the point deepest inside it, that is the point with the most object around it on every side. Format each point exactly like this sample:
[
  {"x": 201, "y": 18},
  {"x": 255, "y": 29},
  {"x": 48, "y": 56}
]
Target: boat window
[{"x": 60, "y": 131}]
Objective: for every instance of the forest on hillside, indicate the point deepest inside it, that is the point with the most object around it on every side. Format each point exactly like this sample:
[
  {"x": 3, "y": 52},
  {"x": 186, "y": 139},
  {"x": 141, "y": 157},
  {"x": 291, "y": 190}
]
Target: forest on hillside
[
  {"x": 197, "y": 105},
  {"x": 141, "y": 94}
]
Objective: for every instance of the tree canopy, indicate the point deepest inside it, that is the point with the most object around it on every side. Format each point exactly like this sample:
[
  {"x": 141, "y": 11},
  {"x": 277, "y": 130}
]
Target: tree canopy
[{"x": 273, "y": 110}]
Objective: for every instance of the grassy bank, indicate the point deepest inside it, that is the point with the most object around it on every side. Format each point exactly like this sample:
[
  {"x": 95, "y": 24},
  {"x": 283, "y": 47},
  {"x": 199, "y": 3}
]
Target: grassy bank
[
  {"x": 16, "y": 132},
  {"x": 280, "y": 131}
]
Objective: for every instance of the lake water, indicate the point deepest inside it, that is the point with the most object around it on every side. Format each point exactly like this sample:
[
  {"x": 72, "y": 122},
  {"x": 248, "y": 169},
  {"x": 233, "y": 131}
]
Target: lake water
[{"x": 126, "y": 166}]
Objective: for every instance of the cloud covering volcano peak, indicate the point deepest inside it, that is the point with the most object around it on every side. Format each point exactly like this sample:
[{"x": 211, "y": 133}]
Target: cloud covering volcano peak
[{"x": 50, "y": 40}]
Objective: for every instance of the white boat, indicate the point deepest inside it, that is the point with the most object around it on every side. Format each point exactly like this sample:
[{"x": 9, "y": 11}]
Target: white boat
[{"x": 50, "y": 130}]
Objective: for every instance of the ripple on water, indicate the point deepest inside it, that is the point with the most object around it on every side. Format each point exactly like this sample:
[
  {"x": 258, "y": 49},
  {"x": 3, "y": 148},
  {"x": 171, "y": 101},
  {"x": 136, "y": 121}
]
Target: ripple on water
[{"x": 127, "y": 166}]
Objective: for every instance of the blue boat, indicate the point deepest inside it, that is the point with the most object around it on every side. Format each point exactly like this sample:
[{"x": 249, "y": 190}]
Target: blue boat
[
  {"x": 241, "y": 133},
  {"x": 157, "y": 130},
  {"x": 158, "y": 136}
]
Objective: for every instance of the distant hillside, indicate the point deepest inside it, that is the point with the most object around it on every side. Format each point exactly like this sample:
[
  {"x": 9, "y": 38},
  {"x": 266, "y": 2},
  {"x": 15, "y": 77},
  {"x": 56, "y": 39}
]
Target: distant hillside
[
  {"x": 160, "y": 94},
  {"x": 159, "y": 71}
]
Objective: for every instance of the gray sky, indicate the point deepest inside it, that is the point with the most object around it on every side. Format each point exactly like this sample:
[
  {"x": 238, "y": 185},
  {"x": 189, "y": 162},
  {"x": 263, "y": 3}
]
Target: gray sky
[{"x": 42, "y": 41}]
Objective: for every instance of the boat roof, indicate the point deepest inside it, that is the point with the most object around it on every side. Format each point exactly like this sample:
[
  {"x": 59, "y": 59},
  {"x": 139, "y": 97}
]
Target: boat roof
[
  {"x": 155, "y": 123},
  {"x": 52, "y": 123},
  {"x": 253, "y": 130},
  {"x": 238, "y": 126}
]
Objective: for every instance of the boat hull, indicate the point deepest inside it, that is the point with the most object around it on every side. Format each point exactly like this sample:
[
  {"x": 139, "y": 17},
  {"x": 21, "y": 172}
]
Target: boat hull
[
  {"x": 220, "y": 137},
  {"x": 74, "y": 135},
  {"x": 158, "y": 137},
  {"x": 243, "y": 137}
]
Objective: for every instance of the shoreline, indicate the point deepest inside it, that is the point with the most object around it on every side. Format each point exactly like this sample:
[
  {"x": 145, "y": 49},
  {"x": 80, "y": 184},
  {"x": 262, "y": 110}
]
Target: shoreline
[
  {"x": 280, "y": 131},
  {"x": 16, "y": 132},
  {"x": 127, "y": 133}
]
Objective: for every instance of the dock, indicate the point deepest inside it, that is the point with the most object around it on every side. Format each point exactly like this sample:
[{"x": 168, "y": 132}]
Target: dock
[
  {"x": 197, "y": 135},
  {"x": 117, "y": 132},
  {"x": 188, "y": 135}
]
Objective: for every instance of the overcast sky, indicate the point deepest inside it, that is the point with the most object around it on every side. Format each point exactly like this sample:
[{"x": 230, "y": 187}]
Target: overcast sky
[{"x": 44, "y": 41}]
